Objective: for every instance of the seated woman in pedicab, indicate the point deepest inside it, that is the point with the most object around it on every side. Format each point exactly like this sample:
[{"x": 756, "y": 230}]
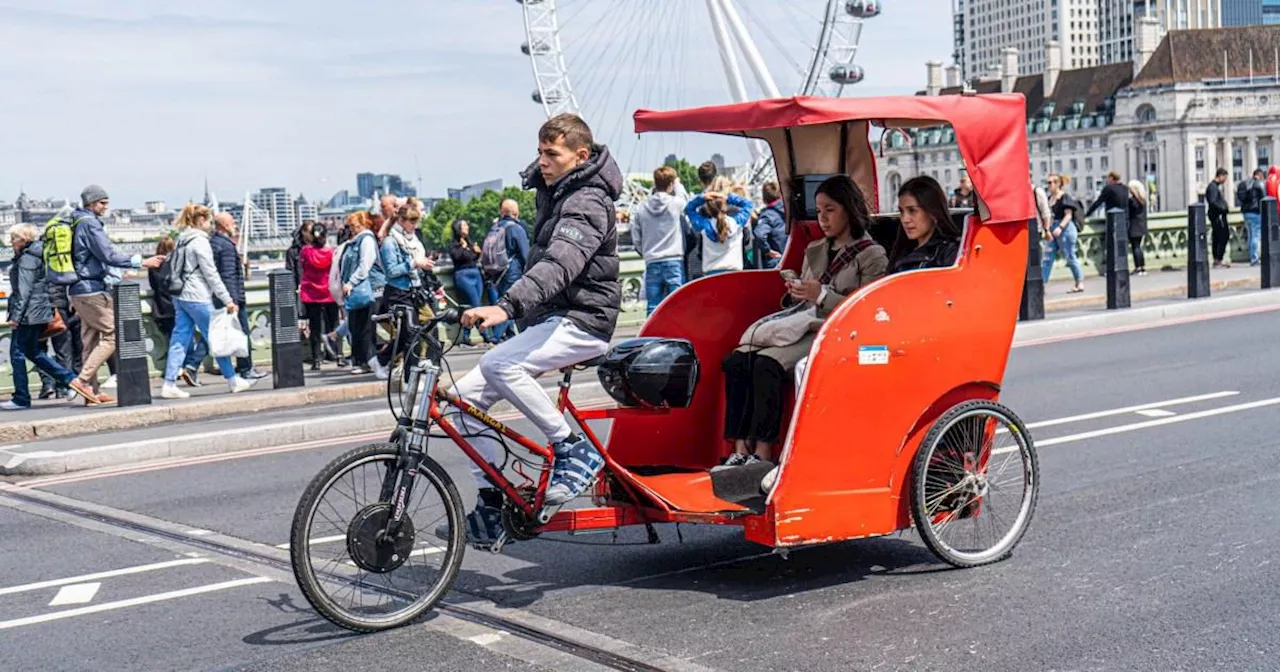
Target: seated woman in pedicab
[
  {"x": 843, "y": 260},
  {"x": 929, "y": 238}
]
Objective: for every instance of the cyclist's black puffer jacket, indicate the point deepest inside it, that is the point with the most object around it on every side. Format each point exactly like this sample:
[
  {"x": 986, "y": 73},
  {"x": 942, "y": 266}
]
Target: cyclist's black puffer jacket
[{"x": 573, "y": 262}]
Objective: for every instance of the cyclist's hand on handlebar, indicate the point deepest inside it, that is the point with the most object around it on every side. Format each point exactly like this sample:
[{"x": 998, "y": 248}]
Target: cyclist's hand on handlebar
[{"x": 488, "y": 316}]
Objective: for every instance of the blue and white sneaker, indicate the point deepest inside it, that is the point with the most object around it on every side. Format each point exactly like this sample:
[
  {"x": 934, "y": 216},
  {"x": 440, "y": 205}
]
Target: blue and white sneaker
[
  {"x": 483, "y": 525},
  {"x": 576, "y": 465}
]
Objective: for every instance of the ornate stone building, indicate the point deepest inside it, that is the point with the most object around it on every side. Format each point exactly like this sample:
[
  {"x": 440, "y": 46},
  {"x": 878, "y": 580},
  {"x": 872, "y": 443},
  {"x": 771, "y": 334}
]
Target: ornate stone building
[{"x": 1190, "y": 102}]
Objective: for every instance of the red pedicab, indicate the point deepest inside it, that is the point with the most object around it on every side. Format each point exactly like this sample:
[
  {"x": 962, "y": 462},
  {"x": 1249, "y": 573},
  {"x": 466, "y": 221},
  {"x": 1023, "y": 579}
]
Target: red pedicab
[{"x": 895, "y": 423}]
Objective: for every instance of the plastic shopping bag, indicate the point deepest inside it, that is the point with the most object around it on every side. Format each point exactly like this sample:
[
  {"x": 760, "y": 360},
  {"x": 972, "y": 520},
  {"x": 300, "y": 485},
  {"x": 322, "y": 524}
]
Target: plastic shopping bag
[{"x": 225, "y": 337}]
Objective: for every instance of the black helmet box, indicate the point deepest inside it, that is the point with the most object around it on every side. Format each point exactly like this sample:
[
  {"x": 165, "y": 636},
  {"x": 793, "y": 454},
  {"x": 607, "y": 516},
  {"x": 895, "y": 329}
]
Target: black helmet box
[{"x": 651, "y": 372}]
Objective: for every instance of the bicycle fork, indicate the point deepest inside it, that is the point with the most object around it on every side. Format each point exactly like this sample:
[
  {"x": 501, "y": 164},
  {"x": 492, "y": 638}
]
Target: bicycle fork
[{"x": 397, "y": 484}]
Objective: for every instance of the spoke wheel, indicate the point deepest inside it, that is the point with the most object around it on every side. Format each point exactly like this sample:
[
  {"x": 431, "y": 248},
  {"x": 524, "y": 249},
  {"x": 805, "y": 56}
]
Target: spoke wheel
[
  {"x": 353, "y": 573},
  {"x": 975, "y": 480}
]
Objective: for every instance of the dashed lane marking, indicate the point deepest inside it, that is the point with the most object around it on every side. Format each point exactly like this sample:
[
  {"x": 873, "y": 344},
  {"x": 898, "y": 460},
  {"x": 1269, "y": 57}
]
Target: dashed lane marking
[
  {"x": 78, "y": 593},
  {"x": 1155, "y": 413}
]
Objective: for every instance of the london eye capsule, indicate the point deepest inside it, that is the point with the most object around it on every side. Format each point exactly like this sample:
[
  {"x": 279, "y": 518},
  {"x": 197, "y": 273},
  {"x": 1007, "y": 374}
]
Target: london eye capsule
[
  {"x": 847, "y": 74},
  {"x": 553, "y": 97},
  {"x": 862, "y": 9},
  {"x": 540, "y": 48}
]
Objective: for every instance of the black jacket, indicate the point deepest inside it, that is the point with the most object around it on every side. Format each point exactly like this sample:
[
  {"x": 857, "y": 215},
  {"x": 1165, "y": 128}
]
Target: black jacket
[
  {"x": 1217, "y": 204},
  {"x": 939, "y": 252},
  {"x": 29, "y": 303},
  {"x": 230, "y": 270},
  {"x": 1137, "y": 218},
  {"x": 573, "y": 262},
  {"x": 1249, "y": 195},
  {"x": 161, "y": 299},
  {"x": 1113, "y": 196}
]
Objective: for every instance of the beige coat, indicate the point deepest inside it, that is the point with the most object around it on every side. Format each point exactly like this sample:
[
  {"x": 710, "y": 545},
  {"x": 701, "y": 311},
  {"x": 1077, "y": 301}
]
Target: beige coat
[{"x": 870, "y": 265}]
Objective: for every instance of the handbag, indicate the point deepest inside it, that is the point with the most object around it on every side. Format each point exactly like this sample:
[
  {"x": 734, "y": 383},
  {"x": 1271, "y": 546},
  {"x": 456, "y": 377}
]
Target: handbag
[
  {"x": 788, "y": 326},
  {"x": 55, "y": 327}
]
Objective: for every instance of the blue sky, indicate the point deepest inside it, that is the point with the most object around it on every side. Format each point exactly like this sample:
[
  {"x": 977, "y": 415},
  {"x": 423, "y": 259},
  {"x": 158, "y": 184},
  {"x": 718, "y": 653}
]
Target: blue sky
[{"x": 146, "y": 97}]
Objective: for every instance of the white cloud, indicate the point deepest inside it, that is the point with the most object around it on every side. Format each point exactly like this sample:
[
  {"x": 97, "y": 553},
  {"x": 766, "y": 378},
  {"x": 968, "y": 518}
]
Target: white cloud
[{"x": 146, "y": 96}]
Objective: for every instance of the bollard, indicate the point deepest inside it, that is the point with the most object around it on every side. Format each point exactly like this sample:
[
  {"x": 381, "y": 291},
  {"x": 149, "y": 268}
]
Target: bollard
[
  {"x": 1197, "y": 252},
  {"x": 1117, "y": 259},
  {"x": 286, "y": 341},
  {"x": 1270, "y": 243},
  {"x": 1032, "y": 307},
  {"x": 133, "y": 378}
]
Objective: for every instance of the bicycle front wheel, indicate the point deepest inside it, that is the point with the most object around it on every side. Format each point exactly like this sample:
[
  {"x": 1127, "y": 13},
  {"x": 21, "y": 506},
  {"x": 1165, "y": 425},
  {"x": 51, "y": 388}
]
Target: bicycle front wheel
[{"x": 353, "y": 573}]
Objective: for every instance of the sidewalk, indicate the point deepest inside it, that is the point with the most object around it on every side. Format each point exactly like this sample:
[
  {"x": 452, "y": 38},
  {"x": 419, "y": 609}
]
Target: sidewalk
[{"x": 52, "y": 419}]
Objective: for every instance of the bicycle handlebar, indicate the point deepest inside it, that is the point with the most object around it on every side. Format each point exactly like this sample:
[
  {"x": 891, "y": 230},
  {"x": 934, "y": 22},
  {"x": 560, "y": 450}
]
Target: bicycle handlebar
[{"x": 449, "y": 316}]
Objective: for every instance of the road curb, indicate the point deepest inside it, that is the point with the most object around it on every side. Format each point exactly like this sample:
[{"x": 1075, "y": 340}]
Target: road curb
[
  {"x": 1100, "y": 301},
  {"x": 321, "y": 430},
  {"x": 1029, "y": 333}
]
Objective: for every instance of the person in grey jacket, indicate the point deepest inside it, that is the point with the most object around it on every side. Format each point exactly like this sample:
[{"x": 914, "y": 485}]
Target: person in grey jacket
[
  {"x": 92, "y": 253},
  {"x": 193, "y": 308},
  {"x": 568, "y": 304},
  {"x": 29, "y": 314},
  {"x": 657, "y": 230}
]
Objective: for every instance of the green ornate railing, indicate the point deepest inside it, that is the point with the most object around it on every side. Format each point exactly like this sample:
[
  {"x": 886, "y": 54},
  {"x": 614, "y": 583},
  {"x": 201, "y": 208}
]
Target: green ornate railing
[{"x": 1165, "y": 244}]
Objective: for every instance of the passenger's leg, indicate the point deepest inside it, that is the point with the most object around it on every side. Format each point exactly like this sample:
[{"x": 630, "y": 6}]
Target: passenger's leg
[
  {"x": 767, "y": 379},
  {"x": 737, "y": 400}
]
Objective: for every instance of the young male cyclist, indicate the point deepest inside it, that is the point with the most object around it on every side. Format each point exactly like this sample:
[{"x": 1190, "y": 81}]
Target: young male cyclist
[{"x": 567, "y": 306}]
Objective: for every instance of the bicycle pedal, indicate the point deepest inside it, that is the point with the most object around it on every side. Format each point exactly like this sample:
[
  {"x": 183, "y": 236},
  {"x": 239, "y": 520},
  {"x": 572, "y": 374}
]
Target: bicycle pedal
[{"x": 547, "y": 513}]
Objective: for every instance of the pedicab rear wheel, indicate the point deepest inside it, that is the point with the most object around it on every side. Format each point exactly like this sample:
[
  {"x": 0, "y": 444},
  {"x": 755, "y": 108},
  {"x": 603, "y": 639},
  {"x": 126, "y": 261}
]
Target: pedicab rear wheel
[{"x": 975, "y": 481}]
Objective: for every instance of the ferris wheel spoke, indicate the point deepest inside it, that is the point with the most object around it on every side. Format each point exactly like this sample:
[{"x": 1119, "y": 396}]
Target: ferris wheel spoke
[{"x": 763, "y": 27}]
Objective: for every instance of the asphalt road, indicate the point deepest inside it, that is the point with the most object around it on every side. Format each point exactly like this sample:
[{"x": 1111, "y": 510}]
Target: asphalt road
[{"x": 1150, "y": 550}]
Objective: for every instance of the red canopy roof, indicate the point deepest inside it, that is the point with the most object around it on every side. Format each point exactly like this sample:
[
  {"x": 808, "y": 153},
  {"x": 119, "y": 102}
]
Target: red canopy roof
[{"x": 991, "y": 132}]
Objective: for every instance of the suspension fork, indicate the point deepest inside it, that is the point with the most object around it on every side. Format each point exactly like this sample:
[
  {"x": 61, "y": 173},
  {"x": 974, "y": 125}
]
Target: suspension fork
[{"x": 397, "y": 485}]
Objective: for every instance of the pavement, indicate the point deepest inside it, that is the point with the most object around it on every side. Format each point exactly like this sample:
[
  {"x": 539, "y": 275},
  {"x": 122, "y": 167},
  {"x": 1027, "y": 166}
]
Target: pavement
[
  {"x": 1152, "y": 548},
  {"x": 53, "y": 437}
]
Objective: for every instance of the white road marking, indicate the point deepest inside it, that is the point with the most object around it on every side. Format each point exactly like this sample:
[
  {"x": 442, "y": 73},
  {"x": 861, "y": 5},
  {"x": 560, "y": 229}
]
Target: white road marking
[
  {"x": 1130, "y": 409},
  {"x": 317, "y": 540},
  {"x": 486, "y": 639},
  {"x": 1147, "y": 424},
  {"x": 199, "y": 533},
  {"x": 121, "y": 604},
  {"x": 1155, "y": 413},
  {"x": 102, "y": 575},
  {"x": 79, "y": 593}
]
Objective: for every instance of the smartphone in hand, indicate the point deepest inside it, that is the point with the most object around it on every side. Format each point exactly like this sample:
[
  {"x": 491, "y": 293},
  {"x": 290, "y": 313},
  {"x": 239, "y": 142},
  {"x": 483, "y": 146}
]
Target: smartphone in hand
[{"x": 788, "y": 275}]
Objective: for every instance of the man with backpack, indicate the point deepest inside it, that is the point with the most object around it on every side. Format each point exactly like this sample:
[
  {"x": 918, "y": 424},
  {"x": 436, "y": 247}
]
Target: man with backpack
[
  {"x": 1249, "y": 195},
  {"x": 504, "y": 256},
  {"x": 80, "y": 257}
]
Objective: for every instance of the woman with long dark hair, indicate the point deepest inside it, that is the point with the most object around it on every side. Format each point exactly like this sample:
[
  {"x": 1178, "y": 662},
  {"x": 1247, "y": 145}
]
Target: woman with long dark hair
[
  {"x": 929, "y": 238},
  {"x": 835, "y": 266},
  {"x": 467, "y": 278}
]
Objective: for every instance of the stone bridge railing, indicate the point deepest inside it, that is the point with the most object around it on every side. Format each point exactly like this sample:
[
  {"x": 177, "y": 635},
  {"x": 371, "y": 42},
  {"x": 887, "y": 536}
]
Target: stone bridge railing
[{"x": 146, "y": 248}]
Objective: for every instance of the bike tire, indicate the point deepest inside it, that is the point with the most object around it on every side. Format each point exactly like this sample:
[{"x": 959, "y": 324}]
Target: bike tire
[
  {"x": 920, "y": 473},
  {"x": 430, "y": 474}
]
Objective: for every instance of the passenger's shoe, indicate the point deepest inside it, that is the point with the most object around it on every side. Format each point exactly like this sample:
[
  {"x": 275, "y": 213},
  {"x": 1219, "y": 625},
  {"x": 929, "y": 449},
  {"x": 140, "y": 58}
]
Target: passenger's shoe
[
  {"x": 577, "y": 463},
  {"x": 171, "y": 391},
  {"x": 191, "y": 377},
  {"x": 238, "y": 384},
  {"x": 110, "y": 383},
  {"x": 734, "y": 460},
  {"x": 483, "y": 526}
]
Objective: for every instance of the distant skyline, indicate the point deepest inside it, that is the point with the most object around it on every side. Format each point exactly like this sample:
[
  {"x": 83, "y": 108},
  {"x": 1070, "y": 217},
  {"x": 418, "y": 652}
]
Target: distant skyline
[{"x": 149, "y": 97}]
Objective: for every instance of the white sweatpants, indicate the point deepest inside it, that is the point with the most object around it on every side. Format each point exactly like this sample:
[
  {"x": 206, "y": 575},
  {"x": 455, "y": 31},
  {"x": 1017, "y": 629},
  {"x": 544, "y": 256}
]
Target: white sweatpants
[{"x": 509, "y": 371}]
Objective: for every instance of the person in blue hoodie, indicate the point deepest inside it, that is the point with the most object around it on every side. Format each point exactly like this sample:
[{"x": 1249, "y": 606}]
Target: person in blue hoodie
[
  {"x": 771, "y": 227},
  {"x": 93, "y": 254},
  {"x": 657, "y": 230}
]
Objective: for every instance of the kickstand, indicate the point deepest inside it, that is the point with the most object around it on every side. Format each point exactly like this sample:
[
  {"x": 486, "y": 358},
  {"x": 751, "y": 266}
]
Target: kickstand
[{"x": 653, "y": 534}]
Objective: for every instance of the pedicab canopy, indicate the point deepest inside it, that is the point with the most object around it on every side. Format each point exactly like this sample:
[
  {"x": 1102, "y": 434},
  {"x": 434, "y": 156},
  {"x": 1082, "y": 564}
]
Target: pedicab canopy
[{"x": 807, "y": 135}]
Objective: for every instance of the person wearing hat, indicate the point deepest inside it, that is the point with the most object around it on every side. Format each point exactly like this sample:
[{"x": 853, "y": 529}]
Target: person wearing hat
[{"x": 93, "y": 254}]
